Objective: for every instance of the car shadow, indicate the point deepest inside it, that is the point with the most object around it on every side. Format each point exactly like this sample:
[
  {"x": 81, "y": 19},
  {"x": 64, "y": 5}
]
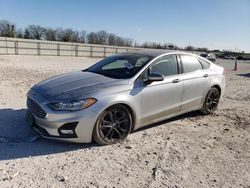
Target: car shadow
[
  {"x": 19, "y": 140},
  {"x": 245, "y": 75}
]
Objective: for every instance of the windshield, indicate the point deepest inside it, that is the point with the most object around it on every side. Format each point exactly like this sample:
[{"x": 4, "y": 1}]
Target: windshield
[{"x": 120, "y": 66}]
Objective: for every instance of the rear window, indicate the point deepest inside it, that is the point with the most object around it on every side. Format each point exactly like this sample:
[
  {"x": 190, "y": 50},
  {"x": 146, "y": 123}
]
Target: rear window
[
  {"x": 190, "y": 63},
  {"x": 204, "y": 55}
]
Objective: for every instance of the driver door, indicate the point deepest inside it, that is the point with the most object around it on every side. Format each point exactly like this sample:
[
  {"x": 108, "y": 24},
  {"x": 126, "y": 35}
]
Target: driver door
[{"x": 161, "y": 98}]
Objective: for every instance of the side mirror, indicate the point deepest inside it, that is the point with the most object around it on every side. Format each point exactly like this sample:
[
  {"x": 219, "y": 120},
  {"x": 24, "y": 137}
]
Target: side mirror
[{"x": 152, "y": 77}]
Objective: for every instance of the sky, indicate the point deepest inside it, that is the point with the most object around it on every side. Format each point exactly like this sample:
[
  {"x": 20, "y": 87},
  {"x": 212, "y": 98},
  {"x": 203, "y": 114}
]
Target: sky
[{"x": 216, "y": 24}]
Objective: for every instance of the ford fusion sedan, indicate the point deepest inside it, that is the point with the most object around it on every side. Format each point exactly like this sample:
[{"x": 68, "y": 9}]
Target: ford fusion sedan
[{"x": 122, "y": 93}]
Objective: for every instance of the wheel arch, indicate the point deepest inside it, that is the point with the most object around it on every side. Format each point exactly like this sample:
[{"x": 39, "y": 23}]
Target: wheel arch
[
  {"x": 217, "y": 87},
  {"x": 128, "y": 107},
  {"x": 131, "y": 111},
  {"x": 132, "y": 114}
]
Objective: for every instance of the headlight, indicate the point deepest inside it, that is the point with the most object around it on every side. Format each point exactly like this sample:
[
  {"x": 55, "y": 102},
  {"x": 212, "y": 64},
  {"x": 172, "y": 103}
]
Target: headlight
[{"x": 73, "y": 105}]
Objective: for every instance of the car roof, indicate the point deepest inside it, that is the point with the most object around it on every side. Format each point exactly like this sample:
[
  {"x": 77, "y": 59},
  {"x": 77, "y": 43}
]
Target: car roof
[
  {"x": 153, "y": 53},
  {"x": 156, "y": 53}
]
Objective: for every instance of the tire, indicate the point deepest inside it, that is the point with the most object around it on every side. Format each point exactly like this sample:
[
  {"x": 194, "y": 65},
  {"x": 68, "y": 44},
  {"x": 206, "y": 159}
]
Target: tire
[
  {"x": 211, "y": 101},
  {"x": 113, "y": 125}
]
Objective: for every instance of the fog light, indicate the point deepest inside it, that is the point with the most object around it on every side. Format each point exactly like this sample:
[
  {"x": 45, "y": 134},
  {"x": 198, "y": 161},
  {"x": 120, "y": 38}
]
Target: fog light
[{"x": 67, "y": 131}]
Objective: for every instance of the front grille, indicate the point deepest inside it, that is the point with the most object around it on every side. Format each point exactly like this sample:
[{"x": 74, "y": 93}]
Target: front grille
[{"x": 35, "y": 108}]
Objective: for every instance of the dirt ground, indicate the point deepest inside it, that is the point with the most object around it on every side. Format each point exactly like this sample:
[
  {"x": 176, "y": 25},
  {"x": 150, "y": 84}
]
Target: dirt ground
[{"x": 191, "y": 150}]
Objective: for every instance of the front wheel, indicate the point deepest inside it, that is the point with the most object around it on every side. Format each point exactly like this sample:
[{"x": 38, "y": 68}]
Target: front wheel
[
  {"x": 211, "y": 101},
  {"x": 113, "y": 125}
]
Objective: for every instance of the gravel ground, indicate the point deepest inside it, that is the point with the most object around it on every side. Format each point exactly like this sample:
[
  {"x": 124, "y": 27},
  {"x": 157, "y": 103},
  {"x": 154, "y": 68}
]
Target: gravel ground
[{"x": 191, "y": 150}]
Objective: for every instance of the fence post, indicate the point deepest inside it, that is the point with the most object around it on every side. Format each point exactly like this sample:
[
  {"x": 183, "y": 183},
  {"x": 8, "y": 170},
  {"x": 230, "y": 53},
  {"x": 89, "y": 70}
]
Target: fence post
[
  {"x": 104, "y": 51},
  {"x": 91, "y": 51},
  {"x": 58, "y": 49},
  {"x": 16, "y": 47},
  {"x": 76, "y": 50},
  {"x": 38, "y": 48},
  {"x": 6, "y": 43},
  {"x": 116, "y": 50}
]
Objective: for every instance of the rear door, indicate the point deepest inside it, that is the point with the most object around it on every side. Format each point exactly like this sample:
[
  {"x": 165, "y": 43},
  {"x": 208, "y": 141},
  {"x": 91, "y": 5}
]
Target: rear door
[{"x": 196, "y": 82}]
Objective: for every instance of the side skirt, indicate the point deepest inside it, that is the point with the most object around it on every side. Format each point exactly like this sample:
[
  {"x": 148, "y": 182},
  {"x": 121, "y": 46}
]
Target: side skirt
[{"x": 168, "y": 117}]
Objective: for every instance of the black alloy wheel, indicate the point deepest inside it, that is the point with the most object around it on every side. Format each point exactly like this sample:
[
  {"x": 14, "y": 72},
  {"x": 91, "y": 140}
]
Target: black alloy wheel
[
  {"x": 113, "y": 125},
  {"x": 211, "y": 102}
]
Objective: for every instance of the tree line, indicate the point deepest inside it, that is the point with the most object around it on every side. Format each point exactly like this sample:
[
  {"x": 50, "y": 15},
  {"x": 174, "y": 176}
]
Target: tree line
[{"x": 8, "y": 29}]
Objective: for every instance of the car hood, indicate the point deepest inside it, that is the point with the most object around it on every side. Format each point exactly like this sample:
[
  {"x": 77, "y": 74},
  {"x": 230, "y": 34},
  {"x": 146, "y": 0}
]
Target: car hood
[{"x": 75, "y": 85}]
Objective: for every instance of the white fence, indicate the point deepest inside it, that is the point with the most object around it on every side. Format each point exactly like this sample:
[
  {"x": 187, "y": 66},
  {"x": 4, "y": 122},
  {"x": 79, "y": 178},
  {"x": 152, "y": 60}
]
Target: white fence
[{"x": 16, "y": 46}]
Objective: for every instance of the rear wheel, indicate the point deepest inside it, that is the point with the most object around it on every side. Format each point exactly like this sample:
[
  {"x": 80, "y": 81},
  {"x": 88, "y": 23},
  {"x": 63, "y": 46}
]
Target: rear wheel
[
  {"x": 113, "y": 125},
  {"x": 211, "y": 102}
]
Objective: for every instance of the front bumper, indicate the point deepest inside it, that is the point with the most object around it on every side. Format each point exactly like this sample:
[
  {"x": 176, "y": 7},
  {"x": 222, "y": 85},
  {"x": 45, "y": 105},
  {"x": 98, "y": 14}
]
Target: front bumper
[{"x": 75, "y": 126}]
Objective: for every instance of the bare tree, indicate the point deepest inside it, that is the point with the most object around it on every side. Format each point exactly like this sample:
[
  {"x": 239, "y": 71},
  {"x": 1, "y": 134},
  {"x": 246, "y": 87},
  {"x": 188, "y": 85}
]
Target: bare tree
[
  {"x": 189, "y": 48},
  {"x": 67, "y": 35},
  {"x": 82, "y": 36},
  {"x": 26, "y": 34},
  {"x": 35, "y": 32},
  {"x": 128, "y": 42},
  {"x": 102, "y": 37},
  {"x": 92, "y": 38},
  {"x": 74, "y": 36},
  {"x": 136, "y": 44},
  {"x": 19, "y": 33},
  {"x": 59, "y": 34},
  {"x": 111, "y": 39},
  {"x": 202, "y": 49},
  {"x": 119, "y": 41},
  {"x": 7, "y": 29},
  {"x": 50, "y": 34}
]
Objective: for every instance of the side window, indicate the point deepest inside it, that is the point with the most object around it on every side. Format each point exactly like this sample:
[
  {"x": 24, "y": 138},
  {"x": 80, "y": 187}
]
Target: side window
[
  {"x": 204, "y": 63},
  {"x": 144, "y": 76},
  {"x": 166, "y": 66},
  {"x": 190, "y": 63}
]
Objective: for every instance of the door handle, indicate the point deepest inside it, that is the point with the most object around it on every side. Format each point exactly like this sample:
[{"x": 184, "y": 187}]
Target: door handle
[
  {"x": 176, "y": 80},
  {"x": 205, "y": 75}
]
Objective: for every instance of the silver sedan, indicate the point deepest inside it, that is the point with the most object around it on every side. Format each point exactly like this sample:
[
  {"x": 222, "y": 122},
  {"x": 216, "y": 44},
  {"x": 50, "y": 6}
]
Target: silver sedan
[{"x": 122, "y": 93}]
